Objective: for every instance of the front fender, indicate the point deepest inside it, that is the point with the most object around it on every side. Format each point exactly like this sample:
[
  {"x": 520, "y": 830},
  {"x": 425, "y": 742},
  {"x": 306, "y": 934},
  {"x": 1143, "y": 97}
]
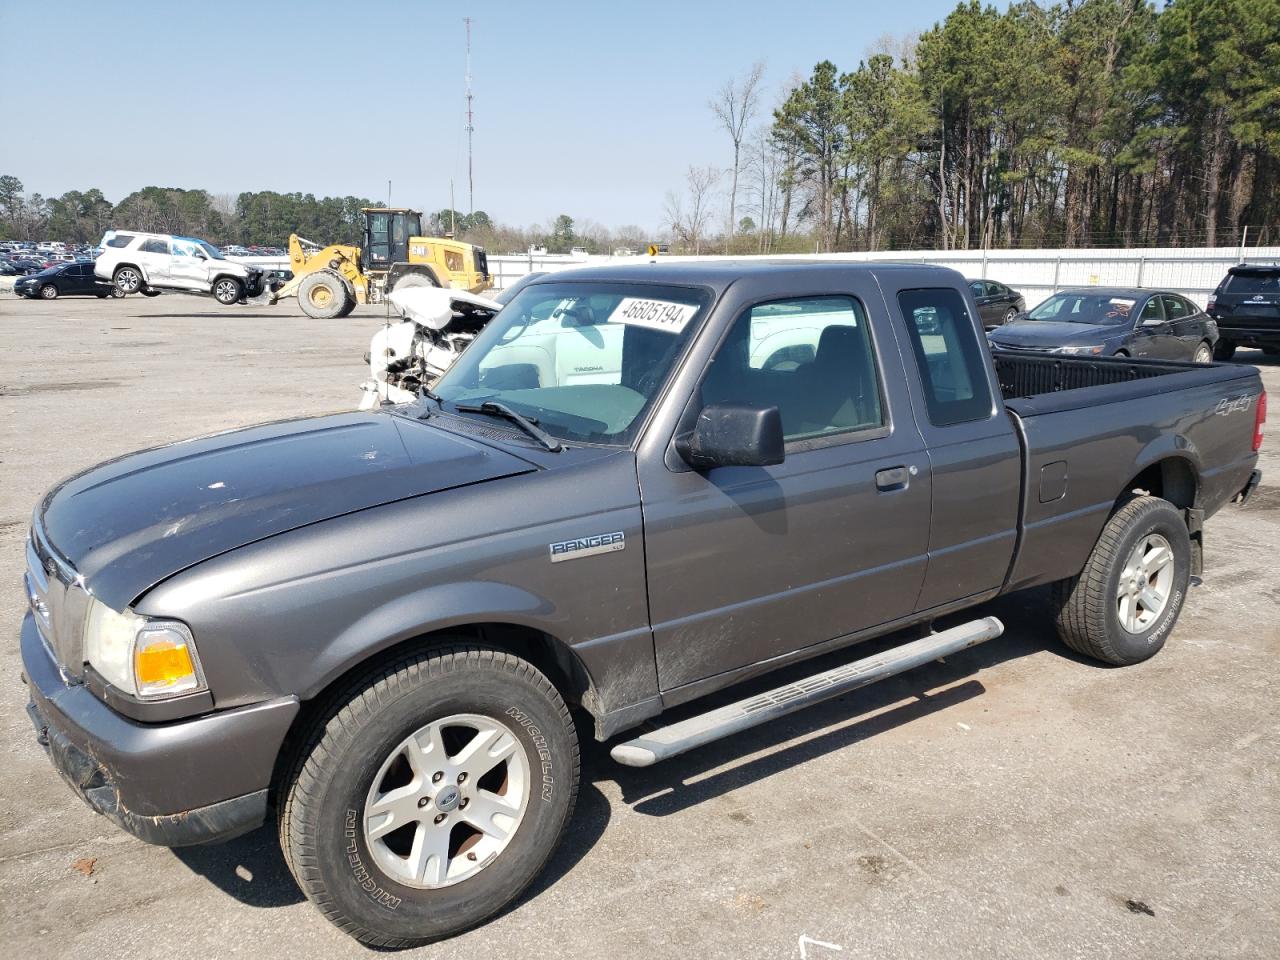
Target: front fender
[{"x": 429, "y": 610}]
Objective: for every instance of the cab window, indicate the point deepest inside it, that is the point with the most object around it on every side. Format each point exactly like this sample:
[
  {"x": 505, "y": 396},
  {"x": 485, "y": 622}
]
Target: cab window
[
  {"x": 949, "y": 360},
  {"x": 811, "y": 358}
]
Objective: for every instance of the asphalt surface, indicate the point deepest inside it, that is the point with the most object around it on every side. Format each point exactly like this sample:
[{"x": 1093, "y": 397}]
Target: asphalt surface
[{"x": 1014, "y": 801}]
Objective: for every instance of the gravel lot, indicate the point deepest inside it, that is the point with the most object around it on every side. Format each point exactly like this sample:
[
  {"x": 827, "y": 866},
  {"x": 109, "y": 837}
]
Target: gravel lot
[{"x": 1015, "y": 801}]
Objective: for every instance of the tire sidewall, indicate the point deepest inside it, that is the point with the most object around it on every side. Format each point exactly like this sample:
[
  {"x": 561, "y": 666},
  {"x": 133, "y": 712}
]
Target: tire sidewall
[
  {"x": 348, "y": 869},
  {"x": 1161, "y": 518}
]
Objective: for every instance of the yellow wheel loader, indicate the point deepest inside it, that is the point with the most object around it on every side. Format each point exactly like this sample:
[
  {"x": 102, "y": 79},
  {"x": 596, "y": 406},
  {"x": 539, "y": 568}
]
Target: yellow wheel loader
[{"x": 330, "y": 281}]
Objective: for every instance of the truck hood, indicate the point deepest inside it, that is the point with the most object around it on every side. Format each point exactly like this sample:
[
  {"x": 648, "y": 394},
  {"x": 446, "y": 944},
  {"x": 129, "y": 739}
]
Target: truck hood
[
  {"x": 1050, "y": 333},
  {"x": 127, "y": 524}
]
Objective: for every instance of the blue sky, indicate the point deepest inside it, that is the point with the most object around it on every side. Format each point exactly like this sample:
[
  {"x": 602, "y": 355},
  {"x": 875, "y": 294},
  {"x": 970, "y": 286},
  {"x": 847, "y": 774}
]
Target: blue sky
[{"x": 590, "y": 109}]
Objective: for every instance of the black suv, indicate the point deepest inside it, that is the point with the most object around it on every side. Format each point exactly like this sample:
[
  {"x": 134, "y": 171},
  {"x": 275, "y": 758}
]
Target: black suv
[{"x": 1247, "y": 308}]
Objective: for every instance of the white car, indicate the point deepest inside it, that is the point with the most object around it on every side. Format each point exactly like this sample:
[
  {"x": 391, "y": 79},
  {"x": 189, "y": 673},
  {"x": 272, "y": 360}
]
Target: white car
[{"x": 150, "y": 262}]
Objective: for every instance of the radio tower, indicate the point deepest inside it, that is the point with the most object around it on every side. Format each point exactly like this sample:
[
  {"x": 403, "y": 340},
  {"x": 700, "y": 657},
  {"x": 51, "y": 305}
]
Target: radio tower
[{"x": 471, "y": 180}]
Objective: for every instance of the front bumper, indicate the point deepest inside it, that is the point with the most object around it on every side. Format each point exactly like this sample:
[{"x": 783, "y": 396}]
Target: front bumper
[{"x": 173, "y": 784}]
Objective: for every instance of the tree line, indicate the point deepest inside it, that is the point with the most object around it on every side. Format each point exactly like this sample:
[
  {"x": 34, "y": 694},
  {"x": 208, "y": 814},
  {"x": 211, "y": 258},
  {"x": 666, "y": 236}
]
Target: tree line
[
  {"x": 264, "y": 217},
  {"x": 1081, "y": 123}
]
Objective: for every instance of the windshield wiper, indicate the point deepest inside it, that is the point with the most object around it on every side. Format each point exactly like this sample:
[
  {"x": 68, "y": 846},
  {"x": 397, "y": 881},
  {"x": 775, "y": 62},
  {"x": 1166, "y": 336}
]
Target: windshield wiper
[{"x": 529, "y": 425}]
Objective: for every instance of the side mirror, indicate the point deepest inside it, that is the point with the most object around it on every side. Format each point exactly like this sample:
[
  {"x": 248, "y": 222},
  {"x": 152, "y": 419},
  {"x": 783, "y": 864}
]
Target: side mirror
[{"x": 733, "y": 435}]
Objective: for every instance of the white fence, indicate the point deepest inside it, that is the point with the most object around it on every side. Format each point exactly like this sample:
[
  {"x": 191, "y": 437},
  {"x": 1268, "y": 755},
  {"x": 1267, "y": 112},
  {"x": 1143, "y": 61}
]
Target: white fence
[{"x": 1191, "y": 271}]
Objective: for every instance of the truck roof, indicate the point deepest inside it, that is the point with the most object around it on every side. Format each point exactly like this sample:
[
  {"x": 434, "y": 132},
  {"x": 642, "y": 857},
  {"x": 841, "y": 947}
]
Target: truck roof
[{"x": 719, "y": 274}]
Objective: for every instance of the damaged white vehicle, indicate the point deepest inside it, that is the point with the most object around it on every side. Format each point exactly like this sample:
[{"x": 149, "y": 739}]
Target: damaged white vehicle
[{"x": 437, "y": 325}]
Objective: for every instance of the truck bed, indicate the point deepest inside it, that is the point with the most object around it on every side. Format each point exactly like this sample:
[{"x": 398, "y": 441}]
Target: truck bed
[
  {"x": 1091, "y": 427},
  {"x": 1025, "y": 375}
]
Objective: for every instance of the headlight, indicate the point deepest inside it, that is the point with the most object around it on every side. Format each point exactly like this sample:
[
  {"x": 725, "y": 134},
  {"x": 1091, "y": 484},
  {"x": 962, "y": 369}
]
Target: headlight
[
  {"x": 1092, "y": 351},
  {"x": 150, "y": 659}
]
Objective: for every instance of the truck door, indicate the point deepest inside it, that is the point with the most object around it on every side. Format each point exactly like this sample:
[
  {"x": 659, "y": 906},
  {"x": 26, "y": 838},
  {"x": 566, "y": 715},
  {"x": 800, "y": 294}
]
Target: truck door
[
  {"x": 974, "y": 456},
  {"x": 750, "y": 563}
]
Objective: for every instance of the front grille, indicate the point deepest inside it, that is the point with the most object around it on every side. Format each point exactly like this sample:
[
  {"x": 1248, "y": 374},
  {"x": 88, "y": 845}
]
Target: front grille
[{"x": 59, "y": 603}]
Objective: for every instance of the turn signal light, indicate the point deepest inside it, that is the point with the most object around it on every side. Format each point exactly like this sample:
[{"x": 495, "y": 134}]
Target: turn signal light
[{"x": 163, "y": 662}]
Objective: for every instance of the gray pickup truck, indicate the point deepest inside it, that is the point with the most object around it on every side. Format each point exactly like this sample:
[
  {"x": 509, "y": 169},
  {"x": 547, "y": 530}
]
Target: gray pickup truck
[{"x": 637, "y": 486}]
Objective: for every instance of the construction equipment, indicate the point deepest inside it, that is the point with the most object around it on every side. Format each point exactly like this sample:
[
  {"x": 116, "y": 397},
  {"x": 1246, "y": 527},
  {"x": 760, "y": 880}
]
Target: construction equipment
[{"x": 330, "y": 281}]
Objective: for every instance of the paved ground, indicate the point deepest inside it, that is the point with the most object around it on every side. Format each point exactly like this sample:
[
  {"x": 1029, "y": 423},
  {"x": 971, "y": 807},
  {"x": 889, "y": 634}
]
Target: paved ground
[{"x": 1013, "y": 802}]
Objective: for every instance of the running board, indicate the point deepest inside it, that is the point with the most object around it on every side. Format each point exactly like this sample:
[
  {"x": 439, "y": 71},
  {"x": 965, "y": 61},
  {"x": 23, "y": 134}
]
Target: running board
[{"x": 654, "y": 745}]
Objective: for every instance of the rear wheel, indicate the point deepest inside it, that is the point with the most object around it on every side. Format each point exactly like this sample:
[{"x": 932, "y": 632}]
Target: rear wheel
[
  {"x": 127, "y": 279},
  {"x": 227, "y": 290},
  {"x": 1224, "y": 350},
  {"x": 1009, "y": 315},
  {"x": 48, "y": 292},
  {"x": 323, "y": 295},
  {"x": 431, "y": 794},
  {"x": 1204, "y": 353},
  {"x": 1123, "y": 604}
]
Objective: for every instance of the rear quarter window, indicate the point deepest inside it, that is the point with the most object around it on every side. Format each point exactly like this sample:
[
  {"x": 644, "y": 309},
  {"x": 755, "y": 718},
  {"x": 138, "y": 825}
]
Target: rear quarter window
[
  {"x": 950, "y": 361},
  {"x": 120, "y": 240}
]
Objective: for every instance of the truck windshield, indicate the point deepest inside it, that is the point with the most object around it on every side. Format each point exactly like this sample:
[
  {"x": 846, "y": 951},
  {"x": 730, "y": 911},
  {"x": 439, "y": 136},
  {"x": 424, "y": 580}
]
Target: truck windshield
[
  {"x": 1095, "y": 308},
  {"x": 582, "y": 360}
]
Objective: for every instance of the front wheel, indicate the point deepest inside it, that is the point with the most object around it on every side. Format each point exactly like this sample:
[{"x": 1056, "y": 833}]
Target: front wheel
[
  {"x": 431, "y": 795},
  {"x": 1204, "y": 354},
  {"x": 48, "y": 292},
  {"x": 228, "y": 290},
  {"x": 1123, "y": 604},
  {"x": 323, "y": 295},
  {"x": 1224, "y": 350}
]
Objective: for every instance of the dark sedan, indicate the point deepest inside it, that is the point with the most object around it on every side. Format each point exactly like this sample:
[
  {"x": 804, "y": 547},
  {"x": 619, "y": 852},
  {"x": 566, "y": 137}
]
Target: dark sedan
[
  {"x": 66, "y": 279},
  {"x": 1113, "y": 322},
  {"x": 997, "y": 304}
]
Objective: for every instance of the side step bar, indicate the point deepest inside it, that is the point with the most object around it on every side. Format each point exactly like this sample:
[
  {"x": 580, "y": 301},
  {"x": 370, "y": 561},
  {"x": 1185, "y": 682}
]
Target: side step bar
[{"x": 654, "y": 745}]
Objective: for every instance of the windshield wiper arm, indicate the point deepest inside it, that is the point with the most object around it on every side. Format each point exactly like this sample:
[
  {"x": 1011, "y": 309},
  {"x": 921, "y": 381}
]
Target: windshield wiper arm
[{"x": 529, "y": 425}]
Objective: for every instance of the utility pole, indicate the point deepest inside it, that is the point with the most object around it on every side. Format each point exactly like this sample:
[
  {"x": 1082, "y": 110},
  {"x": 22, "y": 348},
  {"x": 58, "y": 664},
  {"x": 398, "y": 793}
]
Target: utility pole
[{"x": 471, "y": 180}]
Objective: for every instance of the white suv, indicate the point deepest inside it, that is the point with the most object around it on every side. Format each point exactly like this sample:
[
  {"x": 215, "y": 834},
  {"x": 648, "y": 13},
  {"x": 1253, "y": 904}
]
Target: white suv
[{"x": 150, "y": 262}]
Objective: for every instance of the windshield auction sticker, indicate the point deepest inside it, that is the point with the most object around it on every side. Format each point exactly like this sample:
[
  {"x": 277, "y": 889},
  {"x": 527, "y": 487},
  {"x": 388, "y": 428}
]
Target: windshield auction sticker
[{"x": 654, "y": 314}]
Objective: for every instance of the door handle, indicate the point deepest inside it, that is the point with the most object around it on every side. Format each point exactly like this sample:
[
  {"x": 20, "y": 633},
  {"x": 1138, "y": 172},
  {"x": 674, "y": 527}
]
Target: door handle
[{"x": 894, "y": 478}]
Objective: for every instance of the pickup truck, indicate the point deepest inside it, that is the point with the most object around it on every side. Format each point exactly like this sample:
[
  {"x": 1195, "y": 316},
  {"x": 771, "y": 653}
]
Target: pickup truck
[{"x": 370, "y": 628}]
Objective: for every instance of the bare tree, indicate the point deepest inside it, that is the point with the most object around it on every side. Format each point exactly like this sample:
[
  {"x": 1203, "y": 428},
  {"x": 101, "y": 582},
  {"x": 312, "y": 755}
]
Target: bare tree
[
  {"x": 735, "y": 107},
  {"x": 688, "y": 216},
  {"x": 701, "y": 182},
  {"x": 673, "y": 215}
]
